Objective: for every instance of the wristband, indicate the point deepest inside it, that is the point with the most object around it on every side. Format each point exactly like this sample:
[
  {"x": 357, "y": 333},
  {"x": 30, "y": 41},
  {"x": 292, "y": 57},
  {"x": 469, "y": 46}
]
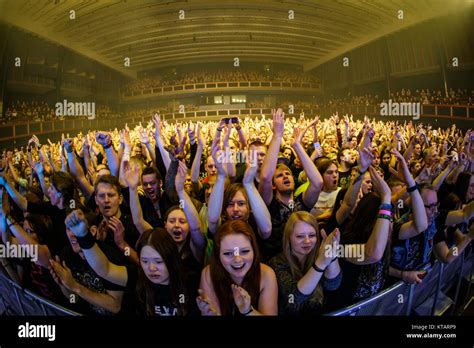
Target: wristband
[
  {"x": 383, "y": 216},
  {"x": 108, "y": 145},
  {"x": 219, "y": 129},
  {"x": 385, "y": 212},
  {"x": 69, "y": 150},
  {"x": 317, "y": 269},
  {"x": 238, "y": 128},
  {"x": 249, "y": 311},
  {"x": 86, "y": 242},
  {"x": 385, "y": 206},
  {"x": 413, "y": 188}
]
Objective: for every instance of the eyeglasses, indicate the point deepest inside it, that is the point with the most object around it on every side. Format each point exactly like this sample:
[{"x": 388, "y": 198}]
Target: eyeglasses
[{"x": 432, "y": 206}]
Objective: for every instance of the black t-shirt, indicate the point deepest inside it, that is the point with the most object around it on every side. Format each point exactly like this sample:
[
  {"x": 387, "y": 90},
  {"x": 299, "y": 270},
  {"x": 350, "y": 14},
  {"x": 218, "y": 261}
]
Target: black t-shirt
[
  {"x": 57, "y": 239},
  {"x": 39, "y": 279},
  {"x": 148, "y": 209},
  {"x": 344, "y": 179},
  {"x": 86, "y": 276},
  {"x": 131, "y": 232},
  {"x": 280, "y": 214},
  {"x": 162, "y": 298}
]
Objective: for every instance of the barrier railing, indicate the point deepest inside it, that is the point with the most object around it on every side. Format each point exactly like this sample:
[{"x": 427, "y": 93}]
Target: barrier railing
[
  {"x": 14, "y": 300},
  {"x": 427, "y": 298}
]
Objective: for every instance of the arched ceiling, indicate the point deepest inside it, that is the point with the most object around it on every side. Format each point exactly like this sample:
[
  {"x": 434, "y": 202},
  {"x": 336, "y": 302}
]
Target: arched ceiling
[{"x": 152, "y": 34}]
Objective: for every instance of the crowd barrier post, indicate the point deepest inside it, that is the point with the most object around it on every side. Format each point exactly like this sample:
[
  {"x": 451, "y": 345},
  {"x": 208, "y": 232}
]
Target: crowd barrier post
[{"x": 438, "y": 288}]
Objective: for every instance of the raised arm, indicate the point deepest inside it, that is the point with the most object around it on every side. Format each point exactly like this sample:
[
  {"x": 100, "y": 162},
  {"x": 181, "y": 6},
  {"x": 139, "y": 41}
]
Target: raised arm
[
  {"x": 377, "y": 242},
  {"x": 198, "y": 241},
  {"x": 19, "y": 200},
  {"x": 131, "y": 176},
  {"x": 257, "y": 205},
  {"x": 76, "y": 170},
  {"x": 311, "y": 195},
  {"x": 217, "y": 195},
  {"x": 76, "y": 222},
  {"x": 22, "y": 237},
  {"x": 420, "y": 220},
  {"x": 159, "y": 143},
  {"x": 195, "y": 169},
  {"x": 365, "y": 160},
  {"x": 269, "y": 163},
  {"x": 105, "y": 140}
]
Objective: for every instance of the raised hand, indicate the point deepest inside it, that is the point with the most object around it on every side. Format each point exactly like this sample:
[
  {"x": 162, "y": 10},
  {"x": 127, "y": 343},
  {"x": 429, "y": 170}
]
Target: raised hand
[
  {"x": 241, "y": 298},
  {"x": 131, "y": 175},
  {"x": 328, "y": 247},
  {"x": 119, "y": 231},
  {"x": 76, "y": 222},
  {"x": 278, "y": 122},
  {"x": 218, "y": 157},
  {"x": 204, "y": 304},
  {"x": 180, "y": 176},
  {"x": 61, "y": 274},
  {"x": 103, "y": 138},
  {"x": 379, "y": 185},
  {"x": 143, "y": 135},
  {"x": 250, "y": 170},
  {"x": 200, "y": 136}
]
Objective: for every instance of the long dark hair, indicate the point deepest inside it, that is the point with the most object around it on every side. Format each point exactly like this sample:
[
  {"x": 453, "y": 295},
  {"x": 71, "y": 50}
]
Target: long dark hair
[
  {"x": 164, "y": 244},
  {"x": 363, "y": 220},
  {"x": 462, "y": 186},
  {"x": 221, "y": 280}
]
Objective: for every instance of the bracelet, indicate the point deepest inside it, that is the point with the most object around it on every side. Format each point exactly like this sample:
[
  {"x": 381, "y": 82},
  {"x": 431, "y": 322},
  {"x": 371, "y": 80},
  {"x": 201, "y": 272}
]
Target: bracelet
[
  {"x": 385, "y": 206},
  {"x": 219, "y": 129},
  {"x": 13, "y": 222},
  {"x": 108, "y": 145},
  {"x": 383, "y": 216},
  {"x": 334, "y": 259},
  {"x": 385, "y": 212},
  {"x": 248, "y": 312},
  {"x": 86, "y": 242},
  {"x": 317, "y": 269},
  {"x": 413, "y": 188}
]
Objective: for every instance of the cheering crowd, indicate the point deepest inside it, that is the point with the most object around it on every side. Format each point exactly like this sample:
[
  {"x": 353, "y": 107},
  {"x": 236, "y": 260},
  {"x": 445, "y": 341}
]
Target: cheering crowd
[{"x": 293, "y": 216}]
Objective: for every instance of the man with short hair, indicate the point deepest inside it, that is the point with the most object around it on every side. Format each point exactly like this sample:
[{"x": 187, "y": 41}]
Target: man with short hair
[{"x": 412, "y": 244}]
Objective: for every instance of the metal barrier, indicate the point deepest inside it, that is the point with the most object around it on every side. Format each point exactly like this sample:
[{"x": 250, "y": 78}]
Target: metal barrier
[
  {"x": 14, "y": 300},
  {"x": 426, "y": 298}
]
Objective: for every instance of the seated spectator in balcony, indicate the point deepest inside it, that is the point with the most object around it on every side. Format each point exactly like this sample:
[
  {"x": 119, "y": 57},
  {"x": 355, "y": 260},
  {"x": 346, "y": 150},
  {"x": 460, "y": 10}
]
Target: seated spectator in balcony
[
  {"x": 236, "y": 283},
  {"x": 305, "y": 268}
]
